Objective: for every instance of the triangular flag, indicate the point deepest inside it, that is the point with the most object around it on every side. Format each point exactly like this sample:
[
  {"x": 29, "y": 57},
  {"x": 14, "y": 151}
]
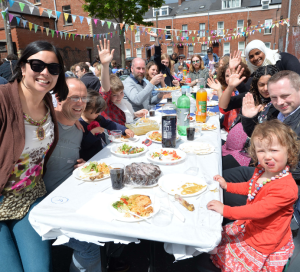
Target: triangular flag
[
  {"x": 106, "y": 35},
  {"x": 24, "y": 22},
  {"x": 132, "y": 26},
  {"x": 58, "y": 13},
  {"x": 194, "y": 32},
  {"x": 198, "y": 38},
  {"x": 52, "y": 32},
  {"x": 73, "y": 35},
  {"x": 121, "y": 26},
  {"x": 108, "y": 23},
  {"x": 47, "y": 31},
  {"x": 193, "y": 38},
  {"x": 81, "y": 19},
  {"x": 126, "y": 27},
  {"x": 35, "y": 28},
  {"x": 102, "y": 22},
  {"x": 22, "y": 5},
  {"x": 30, "y": 26},
  {"x": 65, "y": 34},
  {"x": 42, "y": 29},
  {"x": 61, "y": 34},
  {"x": 84, "y": 37},
  {"x": 88, "y": 20},
  {"x": 69, "y": 35},
  {"x": 11, "y": 2},
  {"x": 49, "y": 11},
  {"x": 31, "y": 9},
  {"x": 187, "y": 38},
  {"x": 97, "y": 36},
  {"x": 41, "y": 10},
  {"x": 66, "y": 15},
  {"x": 57, "y": 33},
  {"x": 115, "y": 25},
  {"x": 10, "y": 17},
  {"x": 95, "y": 22},
  {"x": 111, "y": 34},
  {"x": 18, "y": 20},
  {"x": 74, "y": 18}
]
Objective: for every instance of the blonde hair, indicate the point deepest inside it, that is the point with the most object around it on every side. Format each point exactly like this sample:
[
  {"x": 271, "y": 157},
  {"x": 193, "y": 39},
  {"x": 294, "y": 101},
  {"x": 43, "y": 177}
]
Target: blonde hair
[
  {"x": 98, "y": 67},
  {"x": 180, "y": 67},
  {"x": 149, "y": 65},
  {"x": 225, "y": 60},
  {"x": 166, "y": 56},
  {"x": 201, "y": 63},
  {"x": 116, "y": 84}
]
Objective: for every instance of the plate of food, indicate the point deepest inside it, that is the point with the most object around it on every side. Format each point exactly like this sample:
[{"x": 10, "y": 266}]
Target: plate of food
[
  {"x": 125, "y": 204},
  {"x": 207, "y": 127},
  {"x": 156, "y": 136},
  {"x": 129, "y": 150},
  {"x": 212, "y": 103},
  {"x": 168, "y": 89},
  {"x": 199, "y": 148},
  {"x": 166, "y": 156},
  {"x": 126, "y": 138},
  {"x": 192, "y": 118},
  {"x": 210, "y": 113},
  {"x": 182, "y": 184},
  {"x": 92, "y": 171}
]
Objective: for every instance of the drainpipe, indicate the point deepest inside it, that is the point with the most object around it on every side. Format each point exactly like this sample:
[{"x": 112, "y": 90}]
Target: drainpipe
[
  {"x": 287, "y": 34},
  {"x": 55, "y": 22}
]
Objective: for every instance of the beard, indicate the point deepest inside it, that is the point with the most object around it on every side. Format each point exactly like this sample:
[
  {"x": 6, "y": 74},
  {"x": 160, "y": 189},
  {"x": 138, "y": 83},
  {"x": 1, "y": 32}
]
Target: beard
[{"x": 138, "y": 77}]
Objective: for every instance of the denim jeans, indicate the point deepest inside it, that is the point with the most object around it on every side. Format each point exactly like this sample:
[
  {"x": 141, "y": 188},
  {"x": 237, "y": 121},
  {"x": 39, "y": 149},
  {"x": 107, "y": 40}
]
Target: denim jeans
[
  {"x": 86, "y": 256},
  {"x": 21, "y": 248}
]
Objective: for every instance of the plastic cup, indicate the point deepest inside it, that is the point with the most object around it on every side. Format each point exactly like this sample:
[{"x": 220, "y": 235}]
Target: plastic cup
[
  {"x": 190, "y": 133},
  {"x": 117, "y": 134},
  {"x": 117, "y": 175}
]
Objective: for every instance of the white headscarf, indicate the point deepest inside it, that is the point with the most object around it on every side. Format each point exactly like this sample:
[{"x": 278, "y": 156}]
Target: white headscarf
[{"x": 271, "y": 56}]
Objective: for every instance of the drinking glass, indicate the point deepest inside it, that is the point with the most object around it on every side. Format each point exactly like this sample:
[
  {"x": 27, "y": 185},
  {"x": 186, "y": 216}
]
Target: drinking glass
[
  {"x": 117, "y": 175},
  {"x": 164, "y": 216},
  {"x": 191, "y": 164},
  {"x": 116, "y": 134}
]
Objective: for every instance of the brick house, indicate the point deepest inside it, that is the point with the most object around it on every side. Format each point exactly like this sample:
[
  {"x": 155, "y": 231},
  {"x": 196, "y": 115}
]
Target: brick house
[
  {"x": 203, "y": 17},
  {"x": 290, "y": 41}
]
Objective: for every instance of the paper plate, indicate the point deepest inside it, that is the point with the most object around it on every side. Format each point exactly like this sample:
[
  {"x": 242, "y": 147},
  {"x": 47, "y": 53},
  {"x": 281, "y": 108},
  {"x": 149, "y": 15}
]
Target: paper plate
[
  {"x": 172, "y": 183},
  {"x": 86, "y": 177},
  {"x": 127, "y": 140},
  {"x": 165, "y": 159},
  {"x": 166, "y": 91},
  {"x": 114, "y": 149},
  {"x": 159, "y": 142},
  {"x": 199, "y": 148}
]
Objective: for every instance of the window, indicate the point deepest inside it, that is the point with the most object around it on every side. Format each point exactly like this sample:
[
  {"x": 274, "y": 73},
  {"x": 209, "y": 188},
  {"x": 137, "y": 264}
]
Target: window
[
  {"x": 67, "y": 9},
  {"x": 268, "y": 45},
  {"x": 226, "y": 48},
  {"x": 161, "y": 11},
  {"x": 37, "y": 1},
  {"x": 268, "y": 24},
  {"x": 241, "y": 47},
  {"x": 265, "y": 4},
  {"x": 220, "y": 28},
  {"x": 128, "y": 53},
  {"x": 169, "y": 50},
  {"x": 46, "y": 24},
  {"x": 139, "y": 53},
  {"x": 168, "y": 33},
  {"x": 137, "y": 36},
  {"x": 231, "y": 4},
  {"x": 204, "y": 48},
  {"x": 202, "y": 30},
  {"x": 184, "y": 33},
  {"x": 190, "y": 51},
  {"x": 240, "y": 26}
]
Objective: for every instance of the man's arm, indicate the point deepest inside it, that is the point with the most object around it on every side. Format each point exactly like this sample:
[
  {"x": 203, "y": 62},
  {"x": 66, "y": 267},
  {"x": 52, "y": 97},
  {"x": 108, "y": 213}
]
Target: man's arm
[{"x": 131, "y": 91}]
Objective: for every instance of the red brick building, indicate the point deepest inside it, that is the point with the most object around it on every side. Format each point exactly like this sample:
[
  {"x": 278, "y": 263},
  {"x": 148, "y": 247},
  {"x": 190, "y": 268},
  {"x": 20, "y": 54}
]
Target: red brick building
[
  {"x": 289, "y": 41},
  {"x": 199, "y": 18}
]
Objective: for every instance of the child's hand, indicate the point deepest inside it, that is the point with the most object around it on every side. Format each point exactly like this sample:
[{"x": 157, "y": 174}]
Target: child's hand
[
  {"x": 216, "y": 206},
  {"x": 141, "y": 113},
  {"x": 222, "y": 181},
  {"x": 97, "y": 130},
  {"x": 104, "y": 54},
  {"x": 130, "y": 133}
]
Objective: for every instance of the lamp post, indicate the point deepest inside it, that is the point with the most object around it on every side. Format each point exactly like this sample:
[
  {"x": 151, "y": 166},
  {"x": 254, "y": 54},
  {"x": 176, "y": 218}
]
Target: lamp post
[{"x": 9, "y": 44}]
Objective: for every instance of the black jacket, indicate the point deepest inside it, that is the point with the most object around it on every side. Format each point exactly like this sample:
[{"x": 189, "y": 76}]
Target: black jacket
[
  {"x": 91, "y": 81},
  {"x": 5, "y": 69}
]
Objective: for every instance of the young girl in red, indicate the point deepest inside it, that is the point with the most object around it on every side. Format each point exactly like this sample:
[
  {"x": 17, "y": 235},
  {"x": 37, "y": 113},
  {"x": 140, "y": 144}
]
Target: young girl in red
[{"x": 261, "y": 238}]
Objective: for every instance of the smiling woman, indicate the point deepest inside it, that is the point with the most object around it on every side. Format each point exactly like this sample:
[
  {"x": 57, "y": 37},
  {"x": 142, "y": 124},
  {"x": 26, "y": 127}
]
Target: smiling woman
[{"x": 28, "y": 133}]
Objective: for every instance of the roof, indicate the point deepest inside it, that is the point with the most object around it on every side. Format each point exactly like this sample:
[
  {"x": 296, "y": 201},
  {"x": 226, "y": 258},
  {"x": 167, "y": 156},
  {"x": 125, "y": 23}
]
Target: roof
[
  {"x": 16, "y": 9},
  {"x": 199, "y": 6}
]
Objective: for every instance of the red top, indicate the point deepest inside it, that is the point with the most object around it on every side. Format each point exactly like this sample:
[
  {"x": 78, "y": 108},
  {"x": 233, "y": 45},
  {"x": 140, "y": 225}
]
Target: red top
[
  {"x": 268, "y": 216},
  {"x": 112, "y": 112}
]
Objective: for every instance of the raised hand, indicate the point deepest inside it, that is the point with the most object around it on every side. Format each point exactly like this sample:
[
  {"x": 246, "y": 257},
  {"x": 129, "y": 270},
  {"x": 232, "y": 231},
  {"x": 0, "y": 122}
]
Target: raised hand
[
  {"x": 235, "y": 60},
  {"x": 105, "y": 55},
  {"x": 214, "y": 84},
  {"x": 157, "y": 79},
  {"x": 249, "y": 109},
  {"x": 151, "y": 33},
  {"x": 235, "y": 77}
]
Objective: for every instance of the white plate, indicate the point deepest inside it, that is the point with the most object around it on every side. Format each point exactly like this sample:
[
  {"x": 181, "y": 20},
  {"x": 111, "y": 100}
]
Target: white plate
[
  {"x": 212, "y": 103},
  {"x": 116, "y": 146},
  {"x": 121, "y": 216},
  {"x": 199, "y": 148},
  {"x": 129, "y": 140},
  {"x": 164, "y": 161},
  {"x": 140, "y": 187},
  {"x": 85, "y": 177},
  {"x": 159, "y": 142},
  {"x": 171, "y": 183},
  {"x": 205, "y": 125},
  {"x": 169, "y": 91}
]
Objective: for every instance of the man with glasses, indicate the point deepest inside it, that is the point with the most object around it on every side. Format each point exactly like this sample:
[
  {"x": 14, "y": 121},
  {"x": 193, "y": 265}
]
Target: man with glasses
[
  {"x": 88, "y": 78},
  {"x": 181, "y": 61}
]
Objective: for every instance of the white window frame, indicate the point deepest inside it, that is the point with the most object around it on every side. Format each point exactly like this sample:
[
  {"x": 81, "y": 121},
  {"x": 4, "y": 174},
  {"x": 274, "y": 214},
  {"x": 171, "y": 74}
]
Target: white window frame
[
  {"x": 226, "y": 50},
  {"x": 168, "y": 32},
  {"x": 265, "y": 4},
  {"x": 184, "y": 34},
  {"x": 160, "y": 11},
  {"x": 228, "y": 4},
  {"x": 241, "y": 47},
  {"x": 126, "y": 53},
  {"x": 190, "y": 52},
  {"x": 139, "y": 55},
  {"x": 239, "y": 29},
  {"x": 220, "y": 30},
  {"x": 202, "y": 31},
  {"x": 204, "y": 48},
  {"x": 268, "y": 45},
  {"x": 169, "y": 50},
  {"x": 69, "y": 21},
  {"x": 137, "y": 36},
  {"x": 268, "y": 31}
]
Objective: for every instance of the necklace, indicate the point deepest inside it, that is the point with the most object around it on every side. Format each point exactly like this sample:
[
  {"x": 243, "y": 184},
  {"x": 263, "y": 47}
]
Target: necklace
[
  {"x": 251, "y": 196},
  {"x": 40, "y": 132}
]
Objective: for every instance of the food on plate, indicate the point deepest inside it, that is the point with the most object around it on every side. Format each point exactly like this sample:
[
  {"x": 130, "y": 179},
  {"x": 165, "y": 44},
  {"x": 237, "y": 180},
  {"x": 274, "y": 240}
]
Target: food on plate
[
  {"x": 156, "y": 136},
  {"x": 141, "y": 174},
  {"x": 128, "y": 149},
  {"x": 184, "y": 203},
  {"x": 94, "y": 170},
  {"x": 190, "y": 188},
  {"x": 208, "y": 127},
  {"x": 165, "y": 155},
  {"x": 142, "y": 126},
  {"x": 168, "y": 88},
  {"x": 210, "y": 113},
  {"x": 136, "y": 204},
  {"x": 125, "y": 138}
]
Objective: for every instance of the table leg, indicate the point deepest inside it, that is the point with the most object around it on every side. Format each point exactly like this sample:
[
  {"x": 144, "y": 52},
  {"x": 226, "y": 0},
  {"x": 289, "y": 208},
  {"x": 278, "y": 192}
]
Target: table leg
[
  {"x": 103, "y": 257},
  {"x": 152, "y": 256}
]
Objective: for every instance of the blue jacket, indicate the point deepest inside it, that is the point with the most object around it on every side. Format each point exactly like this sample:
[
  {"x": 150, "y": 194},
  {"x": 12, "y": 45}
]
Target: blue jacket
[{"x": 206, "y": 60}]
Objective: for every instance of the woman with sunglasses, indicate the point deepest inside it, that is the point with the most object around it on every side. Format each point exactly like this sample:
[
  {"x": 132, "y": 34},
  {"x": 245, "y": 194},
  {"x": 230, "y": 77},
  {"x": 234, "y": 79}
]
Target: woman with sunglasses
[
  {"x": 197, "y": 70},
  {"x": 29, "y": 134}
]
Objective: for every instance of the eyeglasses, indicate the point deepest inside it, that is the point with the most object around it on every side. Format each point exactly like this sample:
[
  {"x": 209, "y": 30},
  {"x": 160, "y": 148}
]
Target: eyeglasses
[
  {"x": 77, "y": 99},
  {"x": 38, "y": 66},
  {"x": 195, "y": 61}
]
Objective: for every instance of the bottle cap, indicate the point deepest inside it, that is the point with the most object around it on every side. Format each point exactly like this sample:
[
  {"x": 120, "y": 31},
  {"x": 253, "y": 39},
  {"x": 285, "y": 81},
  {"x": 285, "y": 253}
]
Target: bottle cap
[{"x": 169, "y": 100}]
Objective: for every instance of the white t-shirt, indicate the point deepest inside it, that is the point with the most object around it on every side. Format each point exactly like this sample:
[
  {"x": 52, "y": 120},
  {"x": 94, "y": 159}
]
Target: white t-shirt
[{"x": 126, "y": 107}]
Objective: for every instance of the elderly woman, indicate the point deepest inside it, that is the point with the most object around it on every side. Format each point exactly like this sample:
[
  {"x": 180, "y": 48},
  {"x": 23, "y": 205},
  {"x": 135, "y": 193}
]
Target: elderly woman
[{"x": 197, "y": 70}]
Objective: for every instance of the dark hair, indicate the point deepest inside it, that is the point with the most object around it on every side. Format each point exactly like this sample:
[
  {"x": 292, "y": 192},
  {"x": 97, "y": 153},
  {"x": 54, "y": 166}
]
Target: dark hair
[
  {"x": 82, "y": 65},
  {"x": 261, "y": 71},
  {"x": 209, "y": 50},
  {"x": 151, "y": 63},
  {"x": 12, "y": 57},
  {"x": 61, "y": 88},
  {"x": 96, "y": 102}
]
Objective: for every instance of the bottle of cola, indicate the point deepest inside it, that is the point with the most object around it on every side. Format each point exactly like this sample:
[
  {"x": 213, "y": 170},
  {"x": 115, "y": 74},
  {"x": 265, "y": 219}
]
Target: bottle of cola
[{"x": 169, "y": 125}]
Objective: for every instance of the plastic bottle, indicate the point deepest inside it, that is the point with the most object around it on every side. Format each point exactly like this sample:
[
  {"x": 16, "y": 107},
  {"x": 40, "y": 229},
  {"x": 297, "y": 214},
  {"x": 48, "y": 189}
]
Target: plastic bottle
[
  {"x": 184, "y": 72},
  {"x": 183, "y": 112},
  {"x": 201, "y": 103},
  {"x": 169, "y": 125}
]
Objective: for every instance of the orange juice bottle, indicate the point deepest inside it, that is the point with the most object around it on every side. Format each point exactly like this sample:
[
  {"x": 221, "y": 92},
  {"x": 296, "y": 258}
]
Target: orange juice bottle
[
  {"x": 184, "y": 72},
  {"x": 201, "y": 104}
]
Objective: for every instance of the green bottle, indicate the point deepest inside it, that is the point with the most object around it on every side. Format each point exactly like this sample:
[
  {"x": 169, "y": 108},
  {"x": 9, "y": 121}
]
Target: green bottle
[{"x": 183, "y": 112}]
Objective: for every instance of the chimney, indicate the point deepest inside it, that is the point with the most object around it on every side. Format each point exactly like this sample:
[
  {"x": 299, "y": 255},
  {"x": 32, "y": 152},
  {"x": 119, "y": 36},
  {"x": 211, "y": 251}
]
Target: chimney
[{"x": 180, "y": 2}]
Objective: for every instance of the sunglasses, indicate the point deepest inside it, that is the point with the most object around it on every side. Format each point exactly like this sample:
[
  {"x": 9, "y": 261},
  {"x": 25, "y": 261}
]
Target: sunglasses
[
  {"x": 195, "y": 61},
  {"x": 180, "y": 58},
  {"x": 39, "y": 66}
]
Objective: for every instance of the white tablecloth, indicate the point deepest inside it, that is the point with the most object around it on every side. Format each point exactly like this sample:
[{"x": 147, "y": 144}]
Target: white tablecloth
[{"x": 77, "y": 209}]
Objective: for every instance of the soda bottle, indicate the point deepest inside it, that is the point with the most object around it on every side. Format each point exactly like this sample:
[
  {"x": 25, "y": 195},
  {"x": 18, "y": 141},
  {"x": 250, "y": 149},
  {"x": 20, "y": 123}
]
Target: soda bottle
[
  {"x": 169, "y": 125},
  {"x": 184, "y": 72},
  {"x": 183, "y": 112},
  {"x": 201, "y": 103}
]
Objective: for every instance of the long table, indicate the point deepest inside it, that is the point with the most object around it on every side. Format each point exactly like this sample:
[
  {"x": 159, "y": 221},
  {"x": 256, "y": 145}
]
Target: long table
[{"x": 78, "y": 209}]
